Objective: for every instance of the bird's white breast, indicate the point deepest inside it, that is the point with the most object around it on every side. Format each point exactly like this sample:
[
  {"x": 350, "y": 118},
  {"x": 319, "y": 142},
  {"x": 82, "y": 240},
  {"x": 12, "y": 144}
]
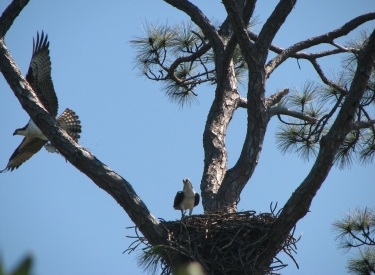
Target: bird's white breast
[
  {"x": 188, "y": 202},
  {"x": 33, "y": 131}
]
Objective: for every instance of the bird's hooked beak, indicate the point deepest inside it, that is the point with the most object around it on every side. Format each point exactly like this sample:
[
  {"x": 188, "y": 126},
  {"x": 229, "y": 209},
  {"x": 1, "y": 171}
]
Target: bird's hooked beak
[{"x": 187, "y": 183}]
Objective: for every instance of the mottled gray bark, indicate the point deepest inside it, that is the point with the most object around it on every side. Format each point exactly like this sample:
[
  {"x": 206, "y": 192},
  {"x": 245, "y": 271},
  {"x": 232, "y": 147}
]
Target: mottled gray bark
[
  {"x": 10, "y": 13},
  {"x": 215, "y": 157},
  {"x": 82, "y": 159},
  {"x": 220, "y": 187},
  {"x": 299, "y": 203}
]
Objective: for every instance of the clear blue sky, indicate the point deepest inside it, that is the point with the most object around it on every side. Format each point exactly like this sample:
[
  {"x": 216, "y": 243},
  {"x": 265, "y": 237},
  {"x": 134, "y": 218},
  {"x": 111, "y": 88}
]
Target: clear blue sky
[{"x": 51, "y": 210}]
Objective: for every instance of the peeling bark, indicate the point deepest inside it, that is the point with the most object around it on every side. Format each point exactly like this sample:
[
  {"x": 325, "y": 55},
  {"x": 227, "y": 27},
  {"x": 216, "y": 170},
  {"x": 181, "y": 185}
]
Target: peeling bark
[
  {"x": 299, "y": 203},
  {"x": 82, "y": 159},
  {"x": 215, "y": 159},
  {"x": 221, "y": 187}
]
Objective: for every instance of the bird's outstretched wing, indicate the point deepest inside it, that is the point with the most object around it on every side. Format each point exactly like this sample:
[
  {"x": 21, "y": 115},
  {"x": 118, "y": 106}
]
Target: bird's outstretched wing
[
  {"x": 178, "y": 199},
  {"x": 27, "y": 148},
  {"x": 196, "y": 199},
  {"x": 39, "y": 74}
]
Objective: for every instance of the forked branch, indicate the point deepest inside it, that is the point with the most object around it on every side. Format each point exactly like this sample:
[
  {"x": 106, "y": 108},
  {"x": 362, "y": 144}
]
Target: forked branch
[
  {"x": 299, "y": 203},
  {"x": 198, "y": 18},
  {"x": 325, "y": 38}
]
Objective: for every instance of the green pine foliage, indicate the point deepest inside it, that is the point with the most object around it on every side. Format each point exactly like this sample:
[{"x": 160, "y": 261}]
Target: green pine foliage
[
  {"x": 181, "y": 57},
  {"x": 323, "y": 102},
  {"x": 357, "y": 230},
  {"x": 23, "y": 268}
]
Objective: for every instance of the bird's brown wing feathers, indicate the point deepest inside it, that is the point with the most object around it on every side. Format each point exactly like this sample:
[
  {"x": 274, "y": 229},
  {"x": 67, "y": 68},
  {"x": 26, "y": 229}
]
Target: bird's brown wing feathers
[
  {"x": 39, "y": 78},
  {"x": 27, "y": 148},
  {"x": 39, "y": 74},
  {"x": 196, "y": 199},
  {"x": 177, "y": 200}
]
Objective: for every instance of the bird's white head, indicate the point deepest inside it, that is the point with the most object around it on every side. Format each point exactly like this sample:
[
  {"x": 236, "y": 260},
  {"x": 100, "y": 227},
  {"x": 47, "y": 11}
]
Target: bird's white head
[
  {"x": 20, "y": 132},
  {"x": 186, "y": 182}
]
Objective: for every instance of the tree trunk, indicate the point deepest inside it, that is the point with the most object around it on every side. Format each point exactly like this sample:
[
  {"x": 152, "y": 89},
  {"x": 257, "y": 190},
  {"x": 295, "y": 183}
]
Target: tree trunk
[
  {"x": 215, "y": 158},
  {"x": 220, "y": 187}
]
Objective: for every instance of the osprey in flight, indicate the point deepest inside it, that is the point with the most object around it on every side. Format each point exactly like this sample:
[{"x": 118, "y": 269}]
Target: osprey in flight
[
  {"x": 39, "y": 78},
  {"x": 186, "y": 199}
]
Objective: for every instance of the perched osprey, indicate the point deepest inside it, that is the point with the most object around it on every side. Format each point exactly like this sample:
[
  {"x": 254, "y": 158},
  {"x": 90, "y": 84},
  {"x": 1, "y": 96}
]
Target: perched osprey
[
  {"x": 186, "y": 199},
  {"x": 39, "y": 78}
]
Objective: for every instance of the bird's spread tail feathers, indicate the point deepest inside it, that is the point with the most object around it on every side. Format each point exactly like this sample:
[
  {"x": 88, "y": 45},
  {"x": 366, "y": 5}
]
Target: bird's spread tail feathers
[
  {"x": 70, "y": 123},
  {"x": 39, "y": 77}
]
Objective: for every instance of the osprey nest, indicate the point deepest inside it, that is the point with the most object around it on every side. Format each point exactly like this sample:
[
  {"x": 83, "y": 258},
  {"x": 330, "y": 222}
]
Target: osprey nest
[{"x": 223, "y": 243}]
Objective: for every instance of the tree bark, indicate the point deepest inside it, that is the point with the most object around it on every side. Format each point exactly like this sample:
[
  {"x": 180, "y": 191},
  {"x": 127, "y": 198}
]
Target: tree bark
[
  {"x": 82, "y": 159},
  {"x": 325, "y": 38},
  {"x": 221, "y": 187},
  {"x": 10, "y": 14},
  {"x": 215, "y": 158},
  {"x": 299, "y": 203},
  {"x": 258, "y": 113}
]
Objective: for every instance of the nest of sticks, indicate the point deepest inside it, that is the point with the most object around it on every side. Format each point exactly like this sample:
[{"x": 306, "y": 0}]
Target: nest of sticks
[{"x": 223, "y": 243}]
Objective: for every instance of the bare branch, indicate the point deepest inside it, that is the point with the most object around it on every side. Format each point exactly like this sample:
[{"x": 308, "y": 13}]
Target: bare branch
[
  {"x": 81, "y": 158},
  {"x": 278, "y": 110},
  {"x": 299, "y": 203},
  {"x": 325, "y": 80},
  {"x": 189, "y": 58},
  {"x": 242, "y": 102},
  {"x": 198, "y": 18},
  {"x": 365, "y": 113},
  {"x": 10, "y": 14},
  {"x": 184, "y": 59},
  {"x": 247, "y": 11},
  {"x": 239, "y": 28},
  {"x": 275, "y": 98},
  {"x": 272, "y": 26},
  {"x": 226, "y": 28},
  {"x": 303, "y": 55},
  {"x": 363, "y": 124},
  {"x": 333, "y": 43},
  {"x": 257, "y": 115},
  {"x": 325, "y": 38}
]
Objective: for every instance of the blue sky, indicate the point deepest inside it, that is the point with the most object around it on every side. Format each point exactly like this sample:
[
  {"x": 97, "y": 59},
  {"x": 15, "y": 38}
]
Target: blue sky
[{"x": 51, "y": 210}]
